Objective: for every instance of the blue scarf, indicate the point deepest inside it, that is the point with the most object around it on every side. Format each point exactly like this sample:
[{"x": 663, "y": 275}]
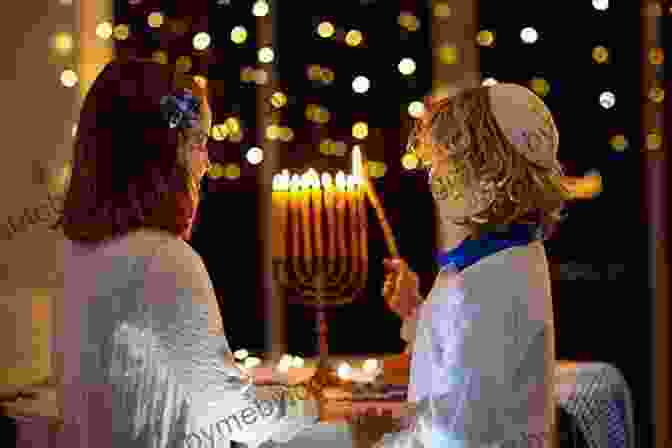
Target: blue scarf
[{"x": 471, "y": 251}]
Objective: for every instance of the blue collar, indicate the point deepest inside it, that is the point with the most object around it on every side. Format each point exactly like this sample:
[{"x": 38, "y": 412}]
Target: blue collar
[{"x": 471, "y": 251}]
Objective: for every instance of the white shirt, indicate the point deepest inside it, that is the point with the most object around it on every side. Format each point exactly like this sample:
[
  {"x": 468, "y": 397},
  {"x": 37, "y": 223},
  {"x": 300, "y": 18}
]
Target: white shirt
[{"x": 483, "y": 356}]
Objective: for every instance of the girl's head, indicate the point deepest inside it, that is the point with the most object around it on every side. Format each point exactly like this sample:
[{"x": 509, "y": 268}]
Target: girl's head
[
  {"x": 492, "y": 155},
  {"x": 139, "y": 153}
]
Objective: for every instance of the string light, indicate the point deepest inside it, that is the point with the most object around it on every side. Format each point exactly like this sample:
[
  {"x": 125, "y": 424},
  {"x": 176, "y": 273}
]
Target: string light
[
  {"x": 104, "y": 30},
  {"x": 260, "y": 8},
  {"x": 238, "y": 34},
  {"x": 155, "y": 19},
  {"x": 325, "y": 29},
  {"x": 529, "y": 35},
  {"x": 361, "y": 84},
  {"x": 265, "y": 55},
  {"x": 353, "y": 38},
  {"x": 607, "y": 100},
  {"x": 255, "y": 155},
  {"x": 360, "y": 130},
  {"x": 407, "y": 66},
  {"x": 201, "y": 41},
  {"x": 600, "y": 54},
  {"x": 278, "y": 99},
  {"x": 485, "y": 38}
]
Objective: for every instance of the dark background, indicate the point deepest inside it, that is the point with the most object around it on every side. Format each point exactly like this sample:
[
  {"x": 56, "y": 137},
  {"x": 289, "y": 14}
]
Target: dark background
[{"x": 599, "y": 256}]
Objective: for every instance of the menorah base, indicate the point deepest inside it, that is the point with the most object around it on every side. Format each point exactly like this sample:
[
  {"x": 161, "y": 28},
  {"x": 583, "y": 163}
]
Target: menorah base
[{"x": 323, "y": 378}]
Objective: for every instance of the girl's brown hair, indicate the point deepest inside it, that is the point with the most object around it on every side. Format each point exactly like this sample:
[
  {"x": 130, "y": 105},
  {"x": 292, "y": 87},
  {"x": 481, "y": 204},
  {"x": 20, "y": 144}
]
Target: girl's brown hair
[
  {"x": 127, "y": 171},
  {"x": 463, "y": 132}
]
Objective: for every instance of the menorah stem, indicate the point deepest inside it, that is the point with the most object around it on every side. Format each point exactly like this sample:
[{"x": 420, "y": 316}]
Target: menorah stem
[{"x": 323, "y": 336}]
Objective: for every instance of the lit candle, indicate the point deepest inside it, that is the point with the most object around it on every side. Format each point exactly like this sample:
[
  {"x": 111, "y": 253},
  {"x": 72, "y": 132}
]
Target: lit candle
[
  {"x": 295, "y": 209},
  {"x": 305, "y": 214},
  {"x": 341, "y": 185},
  {"x": 353, "y": 209},
  {"x": 358, "y": 173},
  {"x": 316, "y": 203},
  {"x": 280, "y": 201},
  {"x": 329, "y": 205}
]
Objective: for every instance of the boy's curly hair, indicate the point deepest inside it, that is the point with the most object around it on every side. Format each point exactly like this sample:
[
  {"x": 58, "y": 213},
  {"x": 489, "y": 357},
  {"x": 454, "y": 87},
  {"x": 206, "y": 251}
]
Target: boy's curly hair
[{"x": 462, "y": 131}]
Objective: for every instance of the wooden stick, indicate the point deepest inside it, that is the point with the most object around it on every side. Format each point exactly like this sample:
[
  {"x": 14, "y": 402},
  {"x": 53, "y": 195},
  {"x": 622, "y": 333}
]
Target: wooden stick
[{"x": 380, "y": 212}]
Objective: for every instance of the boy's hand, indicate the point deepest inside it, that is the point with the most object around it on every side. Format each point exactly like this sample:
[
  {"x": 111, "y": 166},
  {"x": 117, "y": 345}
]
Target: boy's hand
[{"x": 401, "y": 288}]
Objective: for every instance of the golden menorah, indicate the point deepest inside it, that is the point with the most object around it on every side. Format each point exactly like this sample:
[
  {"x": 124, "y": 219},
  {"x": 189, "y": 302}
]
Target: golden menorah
[{"x": 320, "y": 248}]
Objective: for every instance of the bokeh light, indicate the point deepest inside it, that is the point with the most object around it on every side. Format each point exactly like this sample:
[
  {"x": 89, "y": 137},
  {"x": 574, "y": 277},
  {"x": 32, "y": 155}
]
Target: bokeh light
[
  {"x": 216, "y": 171},
  {"x": 601, "y": 54},
  {"x": 327, "y": 147},
  {"x": 607, "y": 100},
  {"x": 416, "y": 109},
  {"x": 409, "y": 161},
  {"x": 485, "y": 38},
  {"x": 377, "y": 169},
  {"x": 407, "y": 66},
  {"x": 654, "y": 140},
  {"x": 619, "y": 143},
  {"x": 353, "y": 38},
  {"x": 361, "y": 84},
  {"x": 201, "y": 41},
  {"x": 219, "y": 132},
  {"x": 232, "y": 171},
  {"x": 201, "y": 81},
  {"x": 254, "y": 155},
  {"x": 489, "y": 82},
  {"x": 540, "y": 86},
  {"x": 601, "y": 5},
  {"x": 657, "y": 94},
  {"x": 238, "y": 35},
  {"x": 448, "y": 54},
  {"x": 529, "y": 35},
  {"x": 286, "y": 134},
  {"x": 155, "y": 19},
  {"x": 265, "y": 55},
  {"x": 183, "y": 64},
  {"x": 656, "y": 56},
  {"x": 272, "y": 132},
  {"x": 409, "y": 21},
  {"x": 233, "y": 125},
  {"x": 442, "y": 10},
  {"x": 62, "y": 43},
  {"x": 260, "y": 8},
  {"x": 317, "y": 114},
  {"x": 104, "y": 30},
  {"x": 69, "y": 78},
  {"x": 278, "y": 100},
  {"x": 121, "y": 32},
  {"x": 360, "y": 130},
  {"x": 325, "y": 29},
  {"x": 160, "y": 56}
]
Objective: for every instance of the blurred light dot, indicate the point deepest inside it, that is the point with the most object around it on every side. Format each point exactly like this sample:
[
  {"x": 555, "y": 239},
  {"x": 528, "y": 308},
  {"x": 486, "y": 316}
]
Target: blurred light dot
[
  {"x": 201, "y": 81},
  {"x": 327, "y": 75},
  {"x": 201, "y": 41},
  {"x": 278, "y": 99},
  {"x": 325, "y": 29},
  {"x": 183, "y": 64},
  {"x": 657, "y": 94},
  {"x": 529, "y": 35},
  {"x": 409, "y": 21},
  {"x": 485, "y": 38},
  {"x": 407, "y": 66},
  {"x": 314, "y": 72},
  {"x": 654, "y": 140},
  {"x": 327, "y": 147},
  {"x": 607, "y": 100},
  {"x": 321, "y": 115},
  {"x": 286, "y": 134},
  {"x": 489, "y": 82},
  {"x": 238, "y": 34},
  {"x": 540, "y": 86},
  {"x": 219, "y": 132},
  {"x": 409, "y": 161},
  {"x": 260, "y": 76},
  {"x": 155, "y": 19},
  {"x": 377, "y": 169},
  {"x": 600, "y": 54},
  {"x": 442, "y": 10},
  {"x": 265, "y": 55},
  {"x": 260, "y": 8},
  {"x": 272, "y": 132},
  {"x": 339, "y": 149},
  {"x": 216, "y": 171},
  {"x": 247, "y": 74},
  {"x": 121, "y": 32},
  {"x": 448, "y": 54},
  {"x": 619, "y": 143},
  {"x": 232, "y": 171},
  {"x": 360, "y": 130},
  {"x": 104, "y": 30},
  {"x": 354, "y": 38},
  {"x": 233, "y": 124},
  {"x": 160, "y": 57},
  {"x": 69, "y": 78},
  {"x": 656, "y": 56},
  {"x": 255, "y": 156},
  {"x": 236, "y": 137},
  {"x": 601, "y": 5},
  {"x": 62, "y": 43},
  {"x": 361, "y": 84},
  {"x": 416, "y": 109}
]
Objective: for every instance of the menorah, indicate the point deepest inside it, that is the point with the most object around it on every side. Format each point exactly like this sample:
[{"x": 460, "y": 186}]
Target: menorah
[{"x": 320, "y": 247}]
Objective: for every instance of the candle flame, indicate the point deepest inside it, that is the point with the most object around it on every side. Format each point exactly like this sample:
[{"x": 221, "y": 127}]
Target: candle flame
[
  {"x": 276, "y": 182},
  {"x": 295, "y": 183},
  {"x": 352, "y": 183},
  {"x": 281, "y": 181},
  {"x": 327, "y": 181},
  {"x": 341, "y": 183},
  {"x": 357, "y": 164},
  {"x": 306, "y": 181},
  {"x": 314, "y": 179}
]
